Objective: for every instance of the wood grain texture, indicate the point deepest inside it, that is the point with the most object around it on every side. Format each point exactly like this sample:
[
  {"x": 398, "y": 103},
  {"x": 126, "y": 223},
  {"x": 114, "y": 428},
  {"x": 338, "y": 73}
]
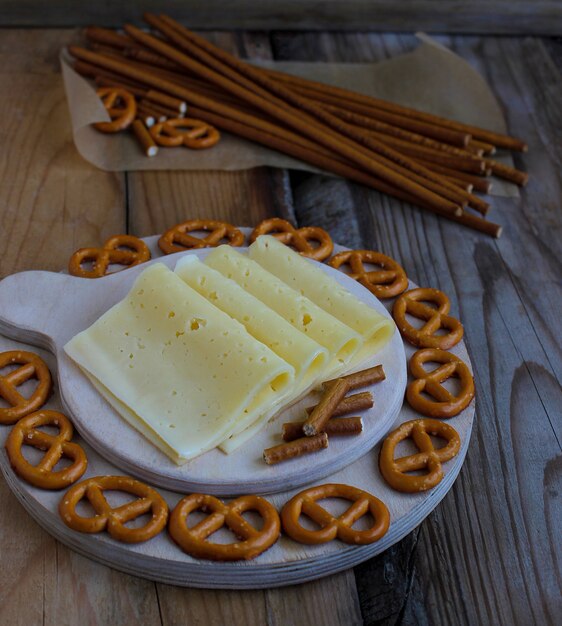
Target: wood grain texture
[
  {"x": 455, "y": 16},
  {"x": 491, "y": 552}
]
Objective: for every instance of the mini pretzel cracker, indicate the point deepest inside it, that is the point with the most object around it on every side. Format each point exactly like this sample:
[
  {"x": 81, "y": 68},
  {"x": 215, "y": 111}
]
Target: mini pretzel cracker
[
  {"x": 25, "y": 433},
  {"x": 324, "y": 410},
  {"x": 194, "y": 134},
  {"x": 177, "y": 239},
  {"x": 297, "y": 447},
  {"x": 32, "y": 366},
  {"x": 120, "y": 249},
  {"x": 111, "y": 519},
  {"x": 331, "y": 527},
  {"x": 394, "y": 470},
  {"x": 298, "y": 238},
  {"x": 412, "y": 303},
  {"x": 334, "y": 426},
  {"x": 385, "y": 283},
  {"x": 445, "y": 404},
  {"x": 194, "y": 540},
  {"x": 121, "y": 107}
]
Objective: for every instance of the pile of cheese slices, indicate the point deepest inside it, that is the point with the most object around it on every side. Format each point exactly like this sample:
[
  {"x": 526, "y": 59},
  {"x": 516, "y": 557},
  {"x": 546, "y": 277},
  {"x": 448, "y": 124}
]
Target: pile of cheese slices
[{"x": 203, "y": 356}]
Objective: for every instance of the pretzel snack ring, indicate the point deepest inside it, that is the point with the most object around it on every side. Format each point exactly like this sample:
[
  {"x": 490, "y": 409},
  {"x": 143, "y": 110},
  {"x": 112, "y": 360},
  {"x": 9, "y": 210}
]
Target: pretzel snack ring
[
  {"x": 394, "y": 470},
  {"x": 298, "y": 447},
  {"x": 412, "y": 303},
  {"x": 385, "y": 283},
  {"x": 350, "y": 404},
  {"x": 32, "y": 366},
  {"x": 445, "y": 404},
  {"x": 185, "y": 131},
  {"x": 42, "y": 475},
  {"x": 121, "y": 106},
  {"x": 324, "y": 410},
  {"x": 334, "y": 426},
  {"x": 194, "y": 540},
  {"x": 299, "y": 238},
  {"x": 361, "y": 379},
  {"x": 114, "y": 519},
  {"x": 178, "y": 239},
  {"x": 136, "y": 252},
  {"x": 331, "y": 527}
]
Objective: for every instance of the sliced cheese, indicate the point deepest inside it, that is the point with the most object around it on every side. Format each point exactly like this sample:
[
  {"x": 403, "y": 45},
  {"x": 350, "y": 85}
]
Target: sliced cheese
[
  {"x": 308, "y": 357},
  {"x": 187, "y": 373},
  {"x": 305, "y": 277},
  {"x": 341, "y": 341}
]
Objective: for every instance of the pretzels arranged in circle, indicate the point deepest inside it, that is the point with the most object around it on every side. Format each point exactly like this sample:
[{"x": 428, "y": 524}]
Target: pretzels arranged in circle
[
  {"x": 148, "y": 501},
  {"x": 178, "y": 239},
  {"x": 299, "y": 238},
  {"x": 32, "y": 366},
  {"x": 386, "y": 283},
  {"x": 331, "y": 527},
  {"x": 445, "y": 404},
  {"x": 194, "y": 540},
  {"x": 121, "y": 107},
  {"x": 412, "y": 303},
  {"x": 194, "y": 134},
  {"x": 42, "y": 475},
  {"x": 428, "y": 458},
  {"x": 119, "y": 249}
]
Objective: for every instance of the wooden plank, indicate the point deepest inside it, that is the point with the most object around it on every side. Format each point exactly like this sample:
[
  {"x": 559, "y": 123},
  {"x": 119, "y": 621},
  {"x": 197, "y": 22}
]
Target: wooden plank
[
  {"x": 541, "y": 17},
  {"x": 51, "y": 202},
  {"x": 490, "y": 553}
]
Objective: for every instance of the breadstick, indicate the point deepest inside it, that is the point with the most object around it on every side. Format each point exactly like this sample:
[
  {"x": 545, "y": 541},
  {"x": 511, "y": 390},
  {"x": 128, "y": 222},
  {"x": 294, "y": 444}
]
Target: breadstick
[
  {"x": 357, "y": 402},
  {"x": 334, "y": 426},
  {"x": 298, "y": 447},
  {"x": 322, "y": 412},
  {"x": 360, "y": 379}
]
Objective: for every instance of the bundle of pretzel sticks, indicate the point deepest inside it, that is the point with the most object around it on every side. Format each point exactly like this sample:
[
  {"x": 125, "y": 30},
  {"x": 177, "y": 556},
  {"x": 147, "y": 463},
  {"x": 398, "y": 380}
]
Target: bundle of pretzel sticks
[{"x": 429, "y": 161}]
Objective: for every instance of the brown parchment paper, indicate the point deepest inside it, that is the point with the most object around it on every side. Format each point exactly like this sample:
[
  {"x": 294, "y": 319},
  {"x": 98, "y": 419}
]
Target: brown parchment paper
[{"x": 430, "y": 78}]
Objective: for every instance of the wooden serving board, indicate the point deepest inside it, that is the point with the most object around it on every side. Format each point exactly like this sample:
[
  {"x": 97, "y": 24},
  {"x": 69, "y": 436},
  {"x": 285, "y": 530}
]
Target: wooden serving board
[{"x": 47, "y": 309}]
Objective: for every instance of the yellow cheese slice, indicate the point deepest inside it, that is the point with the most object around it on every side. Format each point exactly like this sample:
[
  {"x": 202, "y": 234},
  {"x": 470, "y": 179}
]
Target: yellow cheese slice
[
  {"x": 303, "y": 276},
  {"x": 341, "y": 341},
  {"x": 185, "y": 370}
]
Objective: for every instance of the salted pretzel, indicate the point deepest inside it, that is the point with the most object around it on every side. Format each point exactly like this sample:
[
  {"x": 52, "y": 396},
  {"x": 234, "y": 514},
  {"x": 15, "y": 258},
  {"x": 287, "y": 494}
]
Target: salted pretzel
[
  {"x": 178, "y": 239},
  {"x": 444, "y": 403},
  {"x": 331, "y": 527},
  {"x": 119, "y": 249},
  {"x": 386, "y": 283},
  {"x": 194, "y": 540},
  {"x": 302, "y": 239},
  {"x": 413, "y": 303},
  {"x": 113, "y": 520},
  {"x": 121, "y": 107},
  {"x": 32, "y": 366},
  {"x": 26, "y": 433},
  {"x": 428, "y": 458},
  {"x": 185, "y": 131}
]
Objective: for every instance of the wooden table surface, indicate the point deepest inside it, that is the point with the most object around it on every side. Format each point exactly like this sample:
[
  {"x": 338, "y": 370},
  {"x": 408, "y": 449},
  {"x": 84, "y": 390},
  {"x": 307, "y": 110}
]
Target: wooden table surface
[{"x": 491, "y": 552}]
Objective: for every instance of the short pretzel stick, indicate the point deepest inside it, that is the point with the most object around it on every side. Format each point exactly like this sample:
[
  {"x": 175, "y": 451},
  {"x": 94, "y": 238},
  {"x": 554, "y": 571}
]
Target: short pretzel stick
[
  {"x": 146, "y": 142},
  {"x": 335, "y": 426},
  {"x": 322, "y": 412},
  {"x": 361, "y": 379},
  {"x": 351, "y": 404},
  {"x": 298, "y": 447}
]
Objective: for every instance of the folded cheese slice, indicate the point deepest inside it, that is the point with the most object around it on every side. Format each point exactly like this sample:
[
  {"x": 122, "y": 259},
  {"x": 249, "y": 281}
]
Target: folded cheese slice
[
  {"x": 340, "y": 340},
  {"x": 302, "y": 275},
  {"x": 186, "y": 372}
]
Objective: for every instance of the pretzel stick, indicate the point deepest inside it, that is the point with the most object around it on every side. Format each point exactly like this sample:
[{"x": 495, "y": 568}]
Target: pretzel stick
[
  {"x": 89, "y": 70},
  {"x": 356, "y": 402},
  {"x": 146, "y": 118},
  {"x": 478, "y": 183},
  {"x": 106, "y": 82},
  {"x": 334, "y": 426},
  {"x": 360, "y": 379},
  {"x": 145, "y": 140},
  {"x": 168, "y": 101},
  {"x": 290, "y": 115},
  {"x": 146, "y": 110},
  {"x": 486, "y": 148},
  {"x": 496, "y": 139},
  {"x": 108, "y": 37},
  {"x": 298, "y": 447},
  {"x": 158, "y": 108},
  {"x": 322, "y": 412},
  {"x": 147, "y": 56},
  {"x": 390, "y": 162},
  {"x": 508, "y": 173}
]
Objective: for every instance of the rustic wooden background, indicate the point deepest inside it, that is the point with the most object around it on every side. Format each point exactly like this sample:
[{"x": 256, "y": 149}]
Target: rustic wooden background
[
  {"x": 539, "y": 17},
  {"x": 491, "y": 552}
]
